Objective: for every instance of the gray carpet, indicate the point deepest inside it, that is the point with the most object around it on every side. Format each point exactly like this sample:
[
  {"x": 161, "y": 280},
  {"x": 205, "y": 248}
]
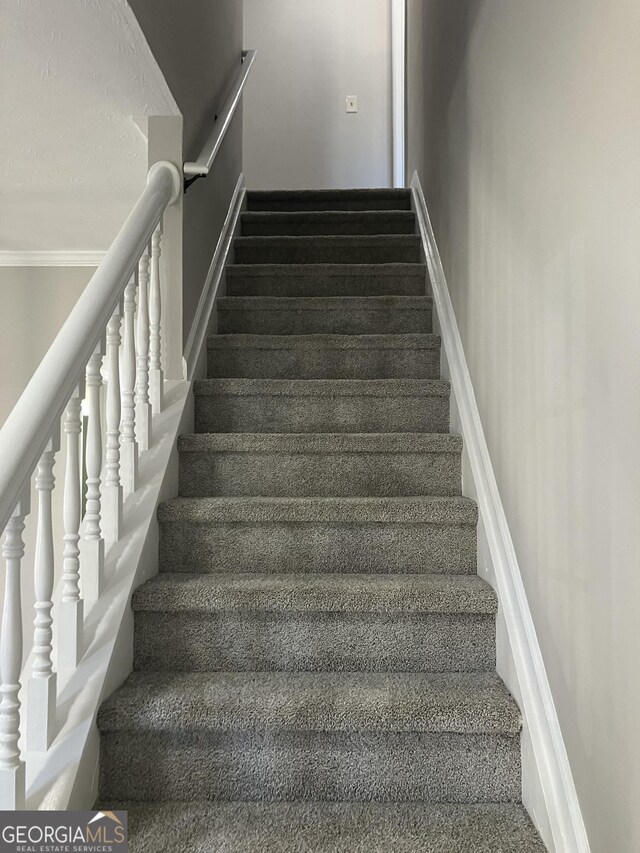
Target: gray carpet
[
  {"x": 315, "y": 662},
  {"x": 325, "y": 315},
  {"x": 326, "y": 279},
  {"x": 330, "y": 828},
  {"x": 320, "y": 356}
]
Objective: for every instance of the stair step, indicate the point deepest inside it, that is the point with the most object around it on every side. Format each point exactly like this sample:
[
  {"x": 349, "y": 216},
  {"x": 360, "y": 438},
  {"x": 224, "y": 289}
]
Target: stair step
[
  {"x": 314, "y": 223},
  {"x": 349, "y": 739},
  {"x": 407, "y": 356},
  {"x": 309, "y": 200},
  {"x": 461, "y": 703},
  {"x": 381, "y": 249},
  {"x": 321, "y": 405},
  {"x": 291, "y": 766},
  {"x": 310, "y": 315},
  {"x": 326, "y": 280},
  {"x": 315, "y": 593},
  {"x": 314, "y": 622},
  {"x": 411, "y": 535},
  {"x": 201, "y": 827},
  {"x": 323, "y": 464}
]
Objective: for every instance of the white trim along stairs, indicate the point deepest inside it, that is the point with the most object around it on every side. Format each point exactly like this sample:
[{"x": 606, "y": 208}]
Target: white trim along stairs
[{"x": 548, "y": 788}]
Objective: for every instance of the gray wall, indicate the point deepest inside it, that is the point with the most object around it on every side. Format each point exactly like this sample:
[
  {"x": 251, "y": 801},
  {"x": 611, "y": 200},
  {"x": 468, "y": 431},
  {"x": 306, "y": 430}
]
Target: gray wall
[
  {"x": 415, "y": 89},
  {"x": 531, "y": 169},
  {"x": 198, "y": 46},
  {"x": 34, "y": 304},
  {"x": 311, "y": 55}
]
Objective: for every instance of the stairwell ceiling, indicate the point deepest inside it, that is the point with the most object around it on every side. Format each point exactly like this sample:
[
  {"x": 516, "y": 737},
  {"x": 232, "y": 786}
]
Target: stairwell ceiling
[{"x": 78, "y": 81}]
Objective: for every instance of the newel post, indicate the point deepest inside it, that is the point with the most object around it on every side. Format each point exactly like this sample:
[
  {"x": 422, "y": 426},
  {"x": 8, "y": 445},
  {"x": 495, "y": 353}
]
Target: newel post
[{"x": 165, "y": 150}]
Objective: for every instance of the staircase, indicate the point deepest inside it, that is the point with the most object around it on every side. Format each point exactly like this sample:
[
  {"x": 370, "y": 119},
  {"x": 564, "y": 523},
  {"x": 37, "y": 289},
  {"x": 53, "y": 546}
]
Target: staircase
[{"x": 315, "y": 662}]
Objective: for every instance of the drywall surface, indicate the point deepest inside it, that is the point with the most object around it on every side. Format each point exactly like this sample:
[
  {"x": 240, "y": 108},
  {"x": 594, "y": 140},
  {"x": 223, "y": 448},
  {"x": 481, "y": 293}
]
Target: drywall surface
[
  {"x": 77, "y": 82},
  {"x": 199, "y": 51},
  {"x": 34, "y": 304},
  {"x": 310, "y": 57},
  {"x": 532, "y": 174},
  {"x": 415, "y": 87}
]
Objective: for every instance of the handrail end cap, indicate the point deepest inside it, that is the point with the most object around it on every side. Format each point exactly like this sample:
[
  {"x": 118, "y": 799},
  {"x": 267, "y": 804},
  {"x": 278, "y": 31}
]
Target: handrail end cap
[{"x": 176, "y": 177}]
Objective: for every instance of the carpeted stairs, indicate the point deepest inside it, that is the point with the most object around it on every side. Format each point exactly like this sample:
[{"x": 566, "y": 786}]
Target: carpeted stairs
[{"x": 315, "y": 662}]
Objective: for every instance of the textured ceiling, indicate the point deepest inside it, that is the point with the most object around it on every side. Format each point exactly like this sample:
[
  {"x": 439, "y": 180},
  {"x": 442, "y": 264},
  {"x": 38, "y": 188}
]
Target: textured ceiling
[{"x": 77, "y": 81}]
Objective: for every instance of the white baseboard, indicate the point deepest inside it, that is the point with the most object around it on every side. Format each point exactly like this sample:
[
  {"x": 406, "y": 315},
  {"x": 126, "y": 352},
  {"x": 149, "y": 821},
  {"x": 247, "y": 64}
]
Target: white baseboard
[
  {"x": 201, "y": 327},
  {"x": 50, "y": 259},
  {"x": 548, "y": 788}
]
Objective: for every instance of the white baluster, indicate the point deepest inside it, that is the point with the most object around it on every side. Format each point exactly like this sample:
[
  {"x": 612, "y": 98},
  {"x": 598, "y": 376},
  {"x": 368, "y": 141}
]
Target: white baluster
[
  {"x": 92, "y": 543},
  {"x": 112, "y": 491},
  {"x": 12, "y": 773},
  {"x": 71, "y": 608},
  {"x": 41, "y": 687},
  {"x": 156, "y": 374},
  {"x": 129, "y": 446},
  {"x": 143, "y": 407}
]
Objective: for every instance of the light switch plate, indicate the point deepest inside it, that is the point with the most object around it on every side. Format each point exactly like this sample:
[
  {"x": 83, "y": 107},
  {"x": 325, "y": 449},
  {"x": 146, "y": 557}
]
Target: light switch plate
[{"x": 352, "y": 103}]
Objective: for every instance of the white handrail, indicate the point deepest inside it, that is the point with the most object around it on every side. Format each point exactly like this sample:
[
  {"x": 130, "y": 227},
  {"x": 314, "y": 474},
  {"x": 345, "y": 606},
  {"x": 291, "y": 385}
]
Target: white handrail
[
  {"x": 202, "y": 166},
  {"x": 35, "y": 417}
]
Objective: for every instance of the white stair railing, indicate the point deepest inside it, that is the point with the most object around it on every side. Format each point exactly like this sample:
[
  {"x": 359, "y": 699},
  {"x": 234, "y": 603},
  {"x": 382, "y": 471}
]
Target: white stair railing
[{"x": 68, "y": 380}]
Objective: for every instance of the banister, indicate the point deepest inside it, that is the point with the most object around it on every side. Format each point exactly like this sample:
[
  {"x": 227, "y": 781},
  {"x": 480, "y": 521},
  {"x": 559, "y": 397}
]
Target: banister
[
  {"x": 36, "y": 415},
  {"x": 200, "y": 168}
]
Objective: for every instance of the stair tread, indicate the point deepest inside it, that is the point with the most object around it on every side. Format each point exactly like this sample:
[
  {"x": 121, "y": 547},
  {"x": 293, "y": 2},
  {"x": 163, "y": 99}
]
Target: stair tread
[
  {"x": 329, "y": 279},
  {"x": 394, "y": 510},
  {"x": 315, "y": 593},
  {"x": 308, "y": 442},
  {"x": 322, "y": 827},
  {"x": 318, "y": 270},
  {"x": 324, "y": 303},
  {"x": 325, "y": 215},
  {"x": 323, "y": 387},
  {"x": 328, "y": 239},
  {"x": 412, "y": 341},
  {"x": 461, "y": 703},
  {"x": 333, "y": 192}
]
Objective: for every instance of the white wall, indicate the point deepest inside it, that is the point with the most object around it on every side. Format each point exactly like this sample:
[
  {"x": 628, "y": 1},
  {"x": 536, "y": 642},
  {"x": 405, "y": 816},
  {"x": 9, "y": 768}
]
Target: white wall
[
  {"x": 532, "y": 173},
  {"x": 77, "y": 82},
  {"x": 311, "y": 55}
]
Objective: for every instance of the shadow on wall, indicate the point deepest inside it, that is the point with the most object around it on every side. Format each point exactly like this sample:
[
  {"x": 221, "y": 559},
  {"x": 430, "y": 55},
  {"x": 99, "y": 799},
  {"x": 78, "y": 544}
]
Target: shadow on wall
[{"x": 447, "y": 30}]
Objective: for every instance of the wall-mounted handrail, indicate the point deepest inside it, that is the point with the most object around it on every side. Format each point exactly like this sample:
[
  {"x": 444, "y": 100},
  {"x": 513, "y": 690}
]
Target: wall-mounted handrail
[{"x": 200, "y": 168}]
